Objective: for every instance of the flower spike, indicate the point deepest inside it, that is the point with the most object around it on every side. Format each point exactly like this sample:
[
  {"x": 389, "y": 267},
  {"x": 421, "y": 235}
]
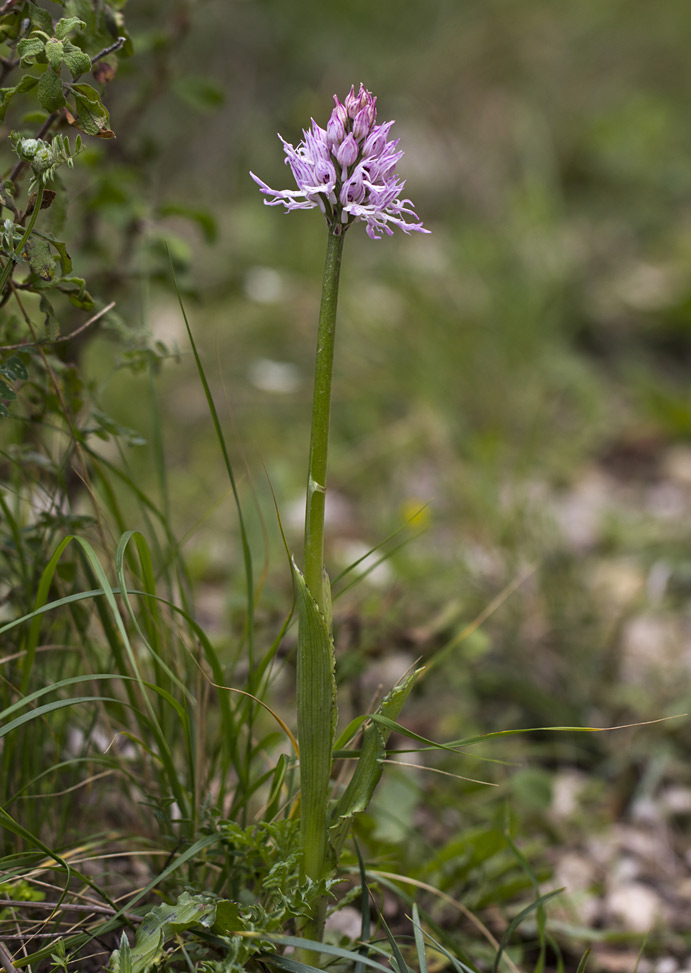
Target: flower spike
[{"x": 348, "y": 170}]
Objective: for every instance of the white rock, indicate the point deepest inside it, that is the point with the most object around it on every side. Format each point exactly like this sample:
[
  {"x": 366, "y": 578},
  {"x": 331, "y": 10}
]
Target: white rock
[{"x": 634, "y": 906}]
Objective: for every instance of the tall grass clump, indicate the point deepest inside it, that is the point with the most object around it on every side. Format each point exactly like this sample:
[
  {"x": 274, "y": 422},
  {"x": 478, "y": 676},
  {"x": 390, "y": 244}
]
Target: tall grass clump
[{"x": 158, "y": 808}]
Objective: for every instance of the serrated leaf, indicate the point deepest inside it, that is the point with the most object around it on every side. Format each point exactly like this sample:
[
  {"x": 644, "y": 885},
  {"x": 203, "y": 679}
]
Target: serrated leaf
[
  {"x": 4, "y": 411},
  {"x": 66, "y": 25},
  {"x": 50, "y": 92},
  {"x": 54, "y": 54},
  {"x": 76, "y": 60}
]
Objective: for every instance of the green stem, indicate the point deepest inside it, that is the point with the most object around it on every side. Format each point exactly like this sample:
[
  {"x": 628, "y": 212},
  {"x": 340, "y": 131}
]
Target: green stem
[
  {"x": 321, "y": 414},
  {"x": 316, "y": 687},
  {"x": 7, "y": 269}
]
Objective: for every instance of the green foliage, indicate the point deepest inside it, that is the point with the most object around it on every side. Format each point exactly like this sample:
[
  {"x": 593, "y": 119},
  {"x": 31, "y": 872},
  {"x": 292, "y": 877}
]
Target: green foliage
[{"x": 550, "y": 223}]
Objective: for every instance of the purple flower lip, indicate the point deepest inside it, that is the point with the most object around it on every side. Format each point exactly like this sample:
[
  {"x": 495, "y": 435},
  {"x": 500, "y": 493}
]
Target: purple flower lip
[{"x": 348, "y": 170}]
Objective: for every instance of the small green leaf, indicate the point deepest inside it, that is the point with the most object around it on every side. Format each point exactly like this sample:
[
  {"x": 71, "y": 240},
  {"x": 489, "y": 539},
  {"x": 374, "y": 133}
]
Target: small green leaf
[
  {"x": 91, "y": 115},
  {"x": 50, "y": 92},
  {"x": 228, "y": 918},
  {"x": 75, "y": 288},
  {"x": 37, "y": 254},
  {"x": 54, "y": 54},
  {"x": 65, "y": 259},
  {"x": 4, "y": 412},
  {"x": 29, "y": 48},
  {"x": 66, "y": 25},
  {"x": 40, "y": 19},
  {"x": 51, "y": 325},
  {"x": 6, "y": 392},
  {"x": 84, "y": 10},
  {"x": 14, "y": 369},
  {"x": 76, "y": 60},
  {"x": 26, "y": 83},
  {"x": 34, "y": 118},
  {"x": 157, "y": 927},
  {"x": 121, "y": 959},
  {"x": 368, "y": 770}
]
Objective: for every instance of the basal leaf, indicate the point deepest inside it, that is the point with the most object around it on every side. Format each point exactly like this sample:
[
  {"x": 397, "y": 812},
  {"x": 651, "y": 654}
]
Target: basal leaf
[{"x": 160, "y": 925}]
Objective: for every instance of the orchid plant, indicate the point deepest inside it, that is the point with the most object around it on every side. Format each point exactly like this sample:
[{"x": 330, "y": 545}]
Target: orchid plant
[{"x": 348, "y": 170}]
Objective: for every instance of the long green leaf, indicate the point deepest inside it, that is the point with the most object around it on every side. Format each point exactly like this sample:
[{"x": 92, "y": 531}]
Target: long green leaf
[{"x": 368, "y": 770}]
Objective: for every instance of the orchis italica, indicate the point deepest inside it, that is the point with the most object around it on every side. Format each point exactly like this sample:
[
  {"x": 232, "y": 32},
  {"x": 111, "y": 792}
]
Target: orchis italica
[{"x": 348, "y": 170}]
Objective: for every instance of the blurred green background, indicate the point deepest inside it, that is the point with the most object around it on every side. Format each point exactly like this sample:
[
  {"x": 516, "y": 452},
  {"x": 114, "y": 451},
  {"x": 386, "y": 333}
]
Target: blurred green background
[
  {"x": 522, "y": 373},
  {"x": 522, "y": 370}
]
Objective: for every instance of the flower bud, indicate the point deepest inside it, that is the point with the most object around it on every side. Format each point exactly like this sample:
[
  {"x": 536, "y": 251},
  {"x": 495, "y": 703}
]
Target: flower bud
[
  {"x": 335, "y": 130},
  {"x": 364, "y": 120},
  {"x": 340, "y": 111},
  {"x": 347, "y": 152},
  {"x": 354, "y": 103},
  {"x": 27, "y": 148},
  {"x": 42, "y": 160}
]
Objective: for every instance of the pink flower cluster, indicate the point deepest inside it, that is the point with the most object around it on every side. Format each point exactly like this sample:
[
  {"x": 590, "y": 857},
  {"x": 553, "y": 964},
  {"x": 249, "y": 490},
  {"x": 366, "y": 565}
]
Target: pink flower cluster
[{"x": 348, "y": 170}]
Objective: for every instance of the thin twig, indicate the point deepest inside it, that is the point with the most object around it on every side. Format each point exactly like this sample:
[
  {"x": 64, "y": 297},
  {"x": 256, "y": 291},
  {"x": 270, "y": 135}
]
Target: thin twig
[
  {"x": 5, "y": 957},
  {"x": 66, "y": 337},
  {"x": 108, "y": 50},
  {"x": 105, "y": 910}
]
